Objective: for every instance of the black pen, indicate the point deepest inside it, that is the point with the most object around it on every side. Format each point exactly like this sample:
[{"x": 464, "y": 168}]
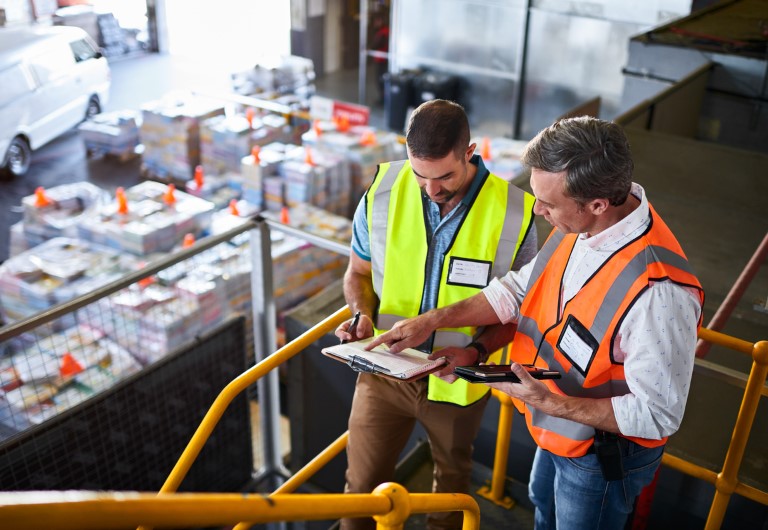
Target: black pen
[{"x": 353, "y": 325}]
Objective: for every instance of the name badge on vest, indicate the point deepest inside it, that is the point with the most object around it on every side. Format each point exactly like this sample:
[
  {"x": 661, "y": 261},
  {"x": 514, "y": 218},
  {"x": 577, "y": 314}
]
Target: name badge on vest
[
  {"x": 469, "y": 272},
  {"x": 577, "y": 344}
]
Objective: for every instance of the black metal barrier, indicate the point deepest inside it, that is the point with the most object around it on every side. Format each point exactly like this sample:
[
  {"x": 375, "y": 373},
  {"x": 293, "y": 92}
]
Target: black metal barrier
[{"x": 128, "y": 437}]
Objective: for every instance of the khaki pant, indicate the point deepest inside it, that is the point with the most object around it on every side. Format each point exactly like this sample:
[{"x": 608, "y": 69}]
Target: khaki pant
[{"x": 383, "y": 415}]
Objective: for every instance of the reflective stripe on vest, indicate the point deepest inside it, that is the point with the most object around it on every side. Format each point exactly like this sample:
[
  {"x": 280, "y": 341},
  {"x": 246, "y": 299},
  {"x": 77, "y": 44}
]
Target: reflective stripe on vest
[
  {"x": 513, "y": 230},
  {"x": 655, "y": 256},
  {"x": 399, "y": 282}
]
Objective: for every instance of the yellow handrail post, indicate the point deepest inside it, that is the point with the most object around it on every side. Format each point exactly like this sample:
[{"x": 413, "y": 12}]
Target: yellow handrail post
[
  {"x": 314, "y": 465},
  {"x": 401, "y": 506},
  {"x": 727, "y": 479},
  {"x": 443, "y": 502},
  {"x": 495, "y": 493}
]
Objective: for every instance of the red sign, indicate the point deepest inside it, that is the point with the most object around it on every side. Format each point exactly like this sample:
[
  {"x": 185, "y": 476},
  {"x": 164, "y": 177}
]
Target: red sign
[
  {"x": 327, "y": 109},
  {"x": 356, "y": 114}
]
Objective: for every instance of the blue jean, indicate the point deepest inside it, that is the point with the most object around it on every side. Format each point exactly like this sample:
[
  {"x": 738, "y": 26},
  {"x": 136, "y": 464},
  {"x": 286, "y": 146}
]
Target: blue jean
[{"x": 570, "y": 493}]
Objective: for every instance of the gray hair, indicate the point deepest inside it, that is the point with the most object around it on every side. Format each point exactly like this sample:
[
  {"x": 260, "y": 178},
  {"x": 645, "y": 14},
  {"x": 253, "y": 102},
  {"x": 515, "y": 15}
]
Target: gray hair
[{"x": 594, "y": 154}]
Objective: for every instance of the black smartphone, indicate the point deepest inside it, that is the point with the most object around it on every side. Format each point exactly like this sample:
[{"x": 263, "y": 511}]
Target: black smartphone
[{"x": 501, "y": 372}]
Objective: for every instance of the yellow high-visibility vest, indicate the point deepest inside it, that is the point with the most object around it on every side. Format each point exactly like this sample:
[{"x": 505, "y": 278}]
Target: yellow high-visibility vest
[{"x": 486, "y": 244}]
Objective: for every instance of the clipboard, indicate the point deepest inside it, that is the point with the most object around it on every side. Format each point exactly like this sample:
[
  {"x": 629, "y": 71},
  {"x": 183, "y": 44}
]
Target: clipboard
[{"x": 408, "y": 365}]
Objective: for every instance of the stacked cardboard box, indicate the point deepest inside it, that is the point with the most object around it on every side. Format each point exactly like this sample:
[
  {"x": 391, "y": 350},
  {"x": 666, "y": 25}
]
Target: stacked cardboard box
[
  {"x": 56, "y": 271},
  {"x": 55, "y": 212},
  {"x": 170, "y": 132},
  {"x": 225, "y": 140},
  {"x": 56, "y": 372},
  {"x": 156, "y": 219},
  {"x": 148, "y": 321},
  {"x": 274, "y": 76},
  {"x": 362, "y": 147},
  {"x": 113, "y": 133}
]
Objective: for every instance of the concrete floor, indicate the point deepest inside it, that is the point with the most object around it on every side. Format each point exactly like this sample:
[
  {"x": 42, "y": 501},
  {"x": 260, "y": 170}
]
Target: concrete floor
[{"x": 713, "y": 198}]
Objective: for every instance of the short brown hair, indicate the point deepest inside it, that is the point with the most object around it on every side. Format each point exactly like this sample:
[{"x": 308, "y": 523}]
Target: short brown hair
[{"x": 436, "y": 128}]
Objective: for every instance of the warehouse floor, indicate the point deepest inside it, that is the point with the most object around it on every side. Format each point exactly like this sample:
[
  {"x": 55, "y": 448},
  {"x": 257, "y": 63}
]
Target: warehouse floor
[{"x": 713, "y": 197}]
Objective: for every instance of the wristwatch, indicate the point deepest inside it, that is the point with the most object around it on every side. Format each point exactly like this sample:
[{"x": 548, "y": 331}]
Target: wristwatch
[{"x": 482, "y": 352}]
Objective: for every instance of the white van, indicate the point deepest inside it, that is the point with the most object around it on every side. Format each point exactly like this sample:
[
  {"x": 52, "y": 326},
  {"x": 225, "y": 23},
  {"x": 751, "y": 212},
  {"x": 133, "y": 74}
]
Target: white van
[{"x": 51, "y": 79}]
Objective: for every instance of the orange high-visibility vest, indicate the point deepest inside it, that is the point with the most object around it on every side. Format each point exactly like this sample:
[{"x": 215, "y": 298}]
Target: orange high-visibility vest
[{"x": 591, "y": 318}]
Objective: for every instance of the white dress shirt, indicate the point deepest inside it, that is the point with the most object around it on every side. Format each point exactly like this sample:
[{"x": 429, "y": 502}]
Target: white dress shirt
[{"x": 656, "y": 340}]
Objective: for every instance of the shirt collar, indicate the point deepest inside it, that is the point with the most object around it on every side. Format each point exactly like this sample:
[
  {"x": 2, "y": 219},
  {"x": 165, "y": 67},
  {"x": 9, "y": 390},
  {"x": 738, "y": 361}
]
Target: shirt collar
[
  {"x": 628, "y": 228},
  {"x": 480, "y": 175}
]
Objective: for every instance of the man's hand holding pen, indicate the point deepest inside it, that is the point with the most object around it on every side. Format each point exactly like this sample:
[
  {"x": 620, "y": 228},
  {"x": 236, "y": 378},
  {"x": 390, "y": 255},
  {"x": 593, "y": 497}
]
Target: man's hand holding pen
[{"x": 359, "y": 327}]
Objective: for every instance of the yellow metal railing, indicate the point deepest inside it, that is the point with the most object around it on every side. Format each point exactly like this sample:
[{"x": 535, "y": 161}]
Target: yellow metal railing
[
  {"x": 495, "y": 492},
  {"x": 237, "y": 386},
  {"x": 726, "y": 482},
  {"x": 390, "y": 505}
]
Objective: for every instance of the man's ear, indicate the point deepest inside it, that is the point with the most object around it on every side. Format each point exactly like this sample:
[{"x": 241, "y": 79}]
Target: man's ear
[
  {"x": 598, "y": 206},
  {"x": 470, "y": 151}
]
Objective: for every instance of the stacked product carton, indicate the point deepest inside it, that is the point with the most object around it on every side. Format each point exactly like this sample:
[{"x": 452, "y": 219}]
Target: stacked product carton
[
  {"x": 225, "y": 140},
  {"x": 300, "y": 269},
  {"x": 113, "y": 133},
  {"x": 362, "y": 147},
  {"x": 56, "y": 372},
  {"x": 148, "y": 321},
  {"x": 55, "y": 212},
  {"x": 320, "y": 180},
  {"x": 170, "y": 132},
  {"x": 280, "y": 75},
  {"x": 218, "y": 189},
  {"x": 146, "y": 218},
  {"x": 57, "y": 271}
]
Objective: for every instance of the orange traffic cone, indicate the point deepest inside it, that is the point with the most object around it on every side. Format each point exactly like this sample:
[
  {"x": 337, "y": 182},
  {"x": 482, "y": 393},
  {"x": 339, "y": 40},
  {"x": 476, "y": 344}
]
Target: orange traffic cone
[
  {"x": 343, "y": 123},
  {"x": 485, "y": 148},
  {"x": 256, "y": 154},
  {"x": 122, "y": 201},
  {"x": 189, "y": 240},
  {"x": 233, "y": 207},
  {"x": 69, "y": 366},
  {"x": 308, "y": 156},
  {"x": 41, "y": 199},
  {"x": 284, "y": 217},
  {"x": 317, "y": 128},
  {"x": 199, "y": 177},
  {"x": 169, "y": 197},
  {"x": 249, "y": 114},
  {"x": 146, "y": 282},
  {"x": 368, "y": 138}
]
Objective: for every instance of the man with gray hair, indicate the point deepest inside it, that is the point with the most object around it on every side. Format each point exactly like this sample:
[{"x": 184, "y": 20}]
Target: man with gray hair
[{"x": 611, "y": 303}]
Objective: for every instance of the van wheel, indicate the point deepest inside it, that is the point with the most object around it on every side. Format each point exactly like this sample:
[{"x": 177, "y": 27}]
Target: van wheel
[
  {"x": 94, "y": 108},
  {"x": 18, "y": 157}
]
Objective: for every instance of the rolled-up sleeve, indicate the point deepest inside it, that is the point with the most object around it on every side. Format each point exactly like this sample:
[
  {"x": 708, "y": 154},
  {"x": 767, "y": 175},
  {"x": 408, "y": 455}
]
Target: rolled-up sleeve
[
  {"x": 657, "y": 342},
  {"x": 506, "y": 293}
]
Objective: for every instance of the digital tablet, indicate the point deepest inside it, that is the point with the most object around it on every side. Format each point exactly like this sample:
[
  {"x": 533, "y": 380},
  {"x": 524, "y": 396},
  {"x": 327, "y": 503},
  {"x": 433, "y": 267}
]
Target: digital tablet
[{"x": 491, "y": 373}]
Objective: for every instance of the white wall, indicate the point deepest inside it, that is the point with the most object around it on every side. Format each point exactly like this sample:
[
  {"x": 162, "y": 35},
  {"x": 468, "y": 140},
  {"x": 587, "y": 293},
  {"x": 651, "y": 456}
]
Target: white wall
[{"x": 233, "y": 33}]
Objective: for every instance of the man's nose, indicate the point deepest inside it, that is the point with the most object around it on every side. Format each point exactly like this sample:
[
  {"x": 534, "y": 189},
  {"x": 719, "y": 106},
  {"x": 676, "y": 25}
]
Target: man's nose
[
  {"x": 432, "y": 188},
  {"x": 538, "y": 209}
]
